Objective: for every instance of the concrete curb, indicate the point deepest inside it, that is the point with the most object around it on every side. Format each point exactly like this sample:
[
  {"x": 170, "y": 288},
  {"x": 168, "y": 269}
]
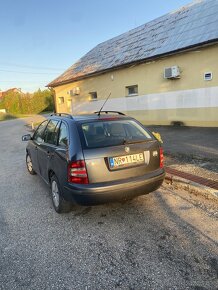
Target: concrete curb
[{"x": 192, "y": 187}]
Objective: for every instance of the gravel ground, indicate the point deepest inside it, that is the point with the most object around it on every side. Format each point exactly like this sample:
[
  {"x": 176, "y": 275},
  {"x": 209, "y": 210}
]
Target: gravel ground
[{"x": 165, "y": 240}]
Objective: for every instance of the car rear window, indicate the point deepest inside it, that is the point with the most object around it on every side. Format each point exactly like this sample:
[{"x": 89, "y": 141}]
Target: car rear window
[{"x": 112, "y": 133}]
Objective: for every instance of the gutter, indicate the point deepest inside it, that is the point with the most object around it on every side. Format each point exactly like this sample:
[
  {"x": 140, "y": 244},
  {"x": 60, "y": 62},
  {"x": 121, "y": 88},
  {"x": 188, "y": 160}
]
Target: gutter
[{"x": 192, "y": 187}]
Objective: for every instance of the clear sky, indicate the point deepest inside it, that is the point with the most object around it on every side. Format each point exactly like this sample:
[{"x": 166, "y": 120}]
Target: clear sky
[{"x": 39, "y": 39}]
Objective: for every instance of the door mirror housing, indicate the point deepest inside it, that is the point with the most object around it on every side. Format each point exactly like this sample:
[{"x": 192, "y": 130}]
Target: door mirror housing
[{"x": 26, "y": 137}]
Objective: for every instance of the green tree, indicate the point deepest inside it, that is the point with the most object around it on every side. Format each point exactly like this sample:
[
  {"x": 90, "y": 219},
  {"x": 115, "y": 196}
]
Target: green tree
[
  {"x": 12, "y": 102},
  {"x": 39, "y": 101}
]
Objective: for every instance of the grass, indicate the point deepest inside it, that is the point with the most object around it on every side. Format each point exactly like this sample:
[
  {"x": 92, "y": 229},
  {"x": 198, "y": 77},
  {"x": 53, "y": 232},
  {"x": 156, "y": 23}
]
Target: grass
[
  {"x": 8, "y": 116},
  {"x": 4, "y": 117},
  {"x": 36, "y": 124},
  {"x": 46, "y": 112}
]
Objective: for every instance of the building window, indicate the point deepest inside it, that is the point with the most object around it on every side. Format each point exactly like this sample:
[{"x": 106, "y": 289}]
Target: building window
[
  {"x": 132, "y": 91},
  {"x": 93, "y": 96},
  {"x": 61, "y": 100},
  {"x": 208, "y": 76}
]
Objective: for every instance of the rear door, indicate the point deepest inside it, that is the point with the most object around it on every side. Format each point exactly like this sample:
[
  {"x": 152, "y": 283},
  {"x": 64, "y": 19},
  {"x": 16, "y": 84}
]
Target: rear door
[
  {"x": 60, "y": 162},
  {"x": 47, "y": 148},
  {"x": 121, "y": 149},
  {"x": 35, "y": 144}
]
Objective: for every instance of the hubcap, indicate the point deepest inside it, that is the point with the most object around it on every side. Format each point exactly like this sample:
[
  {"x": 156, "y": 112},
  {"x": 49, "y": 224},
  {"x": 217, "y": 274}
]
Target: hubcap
[
  {"x": 29, "y": 163},
  {"x": 55, "y": 193}
]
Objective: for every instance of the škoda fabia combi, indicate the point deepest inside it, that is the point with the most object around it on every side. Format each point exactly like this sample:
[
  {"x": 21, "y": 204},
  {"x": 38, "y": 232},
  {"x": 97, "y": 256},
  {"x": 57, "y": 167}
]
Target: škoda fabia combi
[{"x": 93, "y": 159}]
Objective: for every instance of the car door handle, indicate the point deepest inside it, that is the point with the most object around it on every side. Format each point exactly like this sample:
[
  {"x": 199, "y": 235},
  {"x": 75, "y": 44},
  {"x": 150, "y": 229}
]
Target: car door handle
[{"x": 36, "y": 147}]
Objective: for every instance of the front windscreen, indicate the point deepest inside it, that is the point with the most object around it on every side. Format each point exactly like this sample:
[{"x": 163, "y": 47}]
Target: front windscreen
[{"x": 111, "y": 133}]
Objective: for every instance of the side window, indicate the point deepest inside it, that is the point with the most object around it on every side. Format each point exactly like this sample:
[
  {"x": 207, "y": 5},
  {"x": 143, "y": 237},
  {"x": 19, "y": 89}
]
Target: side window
[
  {"x": 38, "y": 135},
  {"x": 63, "y": 136},
  {"x": 132, "y": 91},
  {"x": 61, "y": 100},
  {"x": 93, "y": 96},
  {"x": 51, "y": 132}
]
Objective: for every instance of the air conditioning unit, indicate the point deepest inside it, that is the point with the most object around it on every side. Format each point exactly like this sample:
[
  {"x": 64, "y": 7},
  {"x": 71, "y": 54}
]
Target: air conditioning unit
[
  {"x": 172, "y": 72},
  {"x": 75, "y": 91}
]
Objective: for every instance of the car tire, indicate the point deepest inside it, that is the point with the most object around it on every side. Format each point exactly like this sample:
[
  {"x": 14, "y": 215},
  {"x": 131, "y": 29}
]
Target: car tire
[
  {"x": 29, "y": 165},
  {"x": 59, "y": 203}
]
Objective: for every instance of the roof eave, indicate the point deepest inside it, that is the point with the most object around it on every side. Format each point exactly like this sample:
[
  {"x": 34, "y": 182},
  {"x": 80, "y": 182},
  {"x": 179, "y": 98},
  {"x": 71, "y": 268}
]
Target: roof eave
[{"x": 189, "y": 48}]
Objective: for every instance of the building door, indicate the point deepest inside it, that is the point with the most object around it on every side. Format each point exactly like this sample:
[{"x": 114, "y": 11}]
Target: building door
[{"x": 69, "y": 105}]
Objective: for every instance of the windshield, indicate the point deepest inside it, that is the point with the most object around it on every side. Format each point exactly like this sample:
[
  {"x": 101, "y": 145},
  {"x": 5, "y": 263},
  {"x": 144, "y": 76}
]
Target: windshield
[{"x": 112, "y": 133}]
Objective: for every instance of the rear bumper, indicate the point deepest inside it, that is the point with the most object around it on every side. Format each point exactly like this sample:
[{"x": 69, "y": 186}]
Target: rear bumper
[{"x": 97, "y": 193}]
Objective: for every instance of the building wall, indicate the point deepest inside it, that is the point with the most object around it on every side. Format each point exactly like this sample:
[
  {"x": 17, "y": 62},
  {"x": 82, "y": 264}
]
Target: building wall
[{"x": 190, "y": 99}]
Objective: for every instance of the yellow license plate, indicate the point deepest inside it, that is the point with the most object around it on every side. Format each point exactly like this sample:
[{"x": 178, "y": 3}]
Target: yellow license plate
[{"x": 126, "y": 160}]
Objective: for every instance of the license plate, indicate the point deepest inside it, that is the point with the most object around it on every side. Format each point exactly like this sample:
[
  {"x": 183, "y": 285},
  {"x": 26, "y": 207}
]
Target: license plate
[{"x": 126, "y": 160}]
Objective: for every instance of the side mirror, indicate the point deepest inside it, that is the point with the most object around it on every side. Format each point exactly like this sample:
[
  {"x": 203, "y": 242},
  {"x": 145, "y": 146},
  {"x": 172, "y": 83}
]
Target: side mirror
[{"x": 26, "y": 137}]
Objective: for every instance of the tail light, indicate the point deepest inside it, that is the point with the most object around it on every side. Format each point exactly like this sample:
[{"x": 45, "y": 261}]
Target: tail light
[
  {"x": 161, "y": 158},
  {"x": 77, "y": 172}
]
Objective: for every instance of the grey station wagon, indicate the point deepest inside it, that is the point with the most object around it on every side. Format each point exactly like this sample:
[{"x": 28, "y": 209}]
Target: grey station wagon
[{"x": 92, "y": 159}]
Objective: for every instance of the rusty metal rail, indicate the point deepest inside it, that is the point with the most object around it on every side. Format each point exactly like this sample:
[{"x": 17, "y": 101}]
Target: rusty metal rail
[{"x": 200, "y": 180}]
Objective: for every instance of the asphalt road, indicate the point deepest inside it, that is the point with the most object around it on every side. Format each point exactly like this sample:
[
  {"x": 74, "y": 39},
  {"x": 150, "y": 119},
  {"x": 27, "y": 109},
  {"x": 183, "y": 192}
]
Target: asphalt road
[
  {"x": 165, "y": 240},
  {"x": 195, "y": 142}
]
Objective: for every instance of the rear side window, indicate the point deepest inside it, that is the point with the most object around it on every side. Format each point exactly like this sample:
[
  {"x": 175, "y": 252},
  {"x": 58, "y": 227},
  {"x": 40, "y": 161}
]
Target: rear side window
[
  {"x": 111, "y": 133},
  {"x": 51, "y": 132},
  {"x": 63, "y": 136}
]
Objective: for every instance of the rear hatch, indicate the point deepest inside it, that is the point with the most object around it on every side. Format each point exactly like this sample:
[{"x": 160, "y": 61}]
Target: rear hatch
[{"x": 116, "y": 149}]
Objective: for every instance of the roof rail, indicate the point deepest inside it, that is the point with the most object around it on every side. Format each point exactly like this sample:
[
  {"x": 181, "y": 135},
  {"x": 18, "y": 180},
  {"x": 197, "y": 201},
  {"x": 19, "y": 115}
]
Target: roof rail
[
  {"x": 62, "y": 114},
  {"x": 106, "y": 112}
]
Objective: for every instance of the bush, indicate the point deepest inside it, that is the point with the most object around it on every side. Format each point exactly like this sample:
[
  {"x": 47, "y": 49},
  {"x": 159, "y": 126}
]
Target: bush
[
  {"x": 16, "y": 103},
  {"x": 12, "y": 103},
  {"x": 2, "y": 104}
]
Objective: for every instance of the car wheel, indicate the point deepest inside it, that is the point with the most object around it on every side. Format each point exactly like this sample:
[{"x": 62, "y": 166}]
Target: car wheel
[
  {"x": 59, "y": 203},
  {"x": 29, "y": 164}
]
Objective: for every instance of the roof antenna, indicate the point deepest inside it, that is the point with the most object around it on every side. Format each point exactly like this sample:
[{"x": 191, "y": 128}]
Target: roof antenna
[{"x": 99, "y": 113}]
